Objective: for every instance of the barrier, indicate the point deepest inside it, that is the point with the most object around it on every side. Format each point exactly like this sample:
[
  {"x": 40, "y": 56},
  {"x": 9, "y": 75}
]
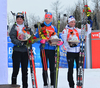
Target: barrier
[{"x": 9, "y": 86}]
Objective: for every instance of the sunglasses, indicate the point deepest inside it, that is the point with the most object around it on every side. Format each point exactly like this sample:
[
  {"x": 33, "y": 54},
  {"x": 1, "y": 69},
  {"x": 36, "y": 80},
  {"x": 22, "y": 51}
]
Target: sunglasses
[
  {"x": 20, "y": 14},
  {"x": 49, "y": 13},
  {"x": 71, "y": 17}
]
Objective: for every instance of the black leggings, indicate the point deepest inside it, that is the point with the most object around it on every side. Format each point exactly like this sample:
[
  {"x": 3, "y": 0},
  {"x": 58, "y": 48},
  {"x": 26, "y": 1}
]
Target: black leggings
[
  {"x": 50, "y": 55},
  {"x": 17, "y": 58},
  {"x": 70, "y": 58}
]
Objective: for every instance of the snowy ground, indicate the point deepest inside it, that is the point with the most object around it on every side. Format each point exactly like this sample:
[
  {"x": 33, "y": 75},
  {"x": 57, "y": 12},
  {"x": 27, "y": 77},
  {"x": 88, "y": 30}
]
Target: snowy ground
[{"x": 91, "y": 78}]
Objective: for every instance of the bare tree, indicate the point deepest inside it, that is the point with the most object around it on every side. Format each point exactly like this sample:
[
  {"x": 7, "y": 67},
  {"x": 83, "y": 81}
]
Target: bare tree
[
  {"x": 56, "y": 7},
  {"x": 69, "y": 11},
  {"x": 63, "y": 23},
  {"x": 96, "y": 17},
  {"x": 33, "y": 20},
  {"x": 97, "y": 5},
  {"x": 78, "y": 13},
  {"x": 10, "y": 21}
]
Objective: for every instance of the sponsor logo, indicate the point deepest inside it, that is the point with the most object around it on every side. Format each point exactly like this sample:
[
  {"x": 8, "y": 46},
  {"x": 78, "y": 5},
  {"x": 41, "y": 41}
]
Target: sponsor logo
[{"x": 96, "y": 35}]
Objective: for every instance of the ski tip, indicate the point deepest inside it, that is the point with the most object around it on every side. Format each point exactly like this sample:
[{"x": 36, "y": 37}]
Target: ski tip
[{"x": 25, "y": 12}]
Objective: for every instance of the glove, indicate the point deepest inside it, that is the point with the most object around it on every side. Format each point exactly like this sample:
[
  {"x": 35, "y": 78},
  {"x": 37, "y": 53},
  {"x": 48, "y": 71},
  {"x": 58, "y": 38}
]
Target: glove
[
  {"x": 60, "y": 43},
  {"x": 73, "y": 45},
  {"x": 23, "y": 43},
  {"x": 43, "y": 41},
  {"x": 90, "y": 21},
  {"x": 42, "y": 24},
  {"x": 36, "y": 26}
]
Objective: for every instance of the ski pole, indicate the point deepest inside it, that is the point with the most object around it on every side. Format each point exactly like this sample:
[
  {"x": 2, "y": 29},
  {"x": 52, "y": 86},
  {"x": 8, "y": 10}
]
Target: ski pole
[
  {"x": 43, "y": 54},
  {"x": 13, "y": 16},
  {"x": 82, "y": 51},
  {"x": 57, "y": 62},
  {"x": 31, "y": 56}
]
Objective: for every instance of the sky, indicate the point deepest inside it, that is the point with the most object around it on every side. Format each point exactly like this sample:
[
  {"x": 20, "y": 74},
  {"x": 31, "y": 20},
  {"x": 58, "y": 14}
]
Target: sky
[{"x": 36, "y": 7}]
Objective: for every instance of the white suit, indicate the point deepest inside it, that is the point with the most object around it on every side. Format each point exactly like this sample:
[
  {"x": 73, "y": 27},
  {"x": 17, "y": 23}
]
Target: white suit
[{"x": 64, "y": 37}]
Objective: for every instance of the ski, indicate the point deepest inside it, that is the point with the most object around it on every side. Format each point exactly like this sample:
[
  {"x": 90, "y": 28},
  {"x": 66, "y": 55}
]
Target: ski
[
  {"x": 44, "y": 56},
  {"x": 31, "y": 56},
  {"x": 57, "y": 56},
  {"x": 44, "y": 60},
  {"x": 32, "y": 68},
  {"x": 45, "y": 65},
  {"x": 80, "y": 77},
  {"x": 81, "y": 64}
]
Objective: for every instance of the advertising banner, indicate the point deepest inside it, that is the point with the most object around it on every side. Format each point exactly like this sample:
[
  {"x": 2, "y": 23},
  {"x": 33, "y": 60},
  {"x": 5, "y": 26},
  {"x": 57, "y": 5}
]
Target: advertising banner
[
  {"x": 95, "y": 52},
  {"x": 36, "y": 51}
]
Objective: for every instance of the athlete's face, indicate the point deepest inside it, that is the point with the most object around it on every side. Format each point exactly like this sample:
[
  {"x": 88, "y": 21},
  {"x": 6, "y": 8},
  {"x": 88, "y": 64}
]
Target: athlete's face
[
  {"x": 72, "y": 23},
  {"x": 19, "y": 21},
  {"x": 48, "y": 20}
]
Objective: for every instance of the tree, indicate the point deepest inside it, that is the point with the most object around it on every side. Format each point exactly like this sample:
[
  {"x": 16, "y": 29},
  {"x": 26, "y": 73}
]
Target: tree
[
  {"x": 78, "y": 13},
  {"x": 56, "y": 7},
  {"x": 10, "y": 21},
  {"x": 33, "y": 20},
  {"x": 96, "y": 5},
  {"x": 96, "y": 12}
]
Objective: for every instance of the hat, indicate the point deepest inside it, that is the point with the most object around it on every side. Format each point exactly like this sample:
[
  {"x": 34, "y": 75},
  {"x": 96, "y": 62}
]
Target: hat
[
  {"x": 71, "y": 18},
  {"x": 20, "y": 14},
  {"x": 48, "y": 15}
]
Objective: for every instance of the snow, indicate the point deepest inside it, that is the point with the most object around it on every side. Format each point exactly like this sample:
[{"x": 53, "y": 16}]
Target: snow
[{"x": 91, "y": 78}]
